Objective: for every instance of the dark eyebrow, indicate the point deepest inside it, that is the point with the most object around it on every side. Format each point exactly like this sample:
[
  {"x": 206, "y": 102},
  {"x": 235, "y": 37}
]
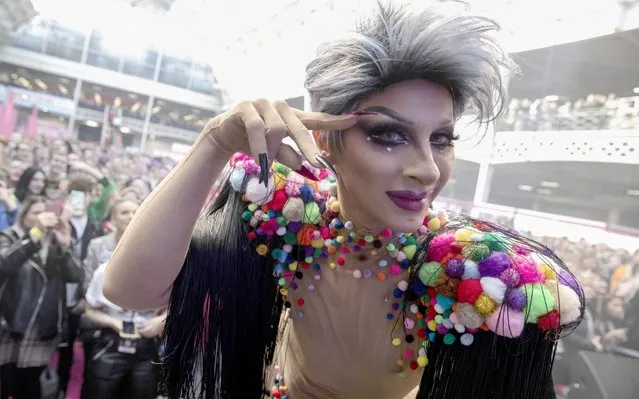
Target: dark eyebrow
[{"x": 380, "y": 109}]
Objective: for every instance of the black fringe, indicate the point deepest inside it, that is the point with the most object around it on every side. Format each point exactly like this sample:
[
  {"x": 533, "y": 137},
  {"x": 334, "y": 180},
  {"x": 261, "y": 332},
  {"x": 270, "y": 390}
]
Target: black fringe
[{"x": 225, "y": 354}]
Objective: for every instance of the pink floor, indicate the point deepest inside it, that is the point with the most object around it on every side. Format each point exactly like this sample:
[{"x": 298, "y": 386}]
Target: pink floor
[{"x": 76, "y": 378}]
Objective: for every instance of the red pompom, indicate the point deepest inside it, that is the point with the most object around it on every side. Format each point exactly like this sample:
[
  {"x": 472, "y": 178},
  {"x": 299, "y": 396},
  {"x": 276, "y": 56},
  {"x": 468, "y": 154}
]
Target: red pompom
[
  {"x": 468, "y": 291},
  {"x": 432, "y": 313},
  {"x": 340, "y": 261},
  {"x": 278, "y": 201},
  {"x": 549, "y": 321},
  {"x": 300, "y": 302},
  {"x": 431, "y": 292},
  {"x": 252, "y": 235},
  {"x": 421, "y": 333},
  {"x": 413, "y": 365}
]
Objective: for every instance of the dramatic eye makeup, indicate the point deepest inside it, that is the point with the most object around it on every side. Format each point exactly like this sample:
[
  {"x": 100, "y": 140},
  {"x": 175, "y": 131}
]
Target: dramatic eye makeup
[{"x": 398, "y": 131}]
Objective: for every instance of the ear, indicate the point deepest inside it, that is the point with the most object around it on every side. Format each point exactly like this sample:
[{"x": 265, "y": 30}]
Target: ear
[{"x": 322, "y": 145}]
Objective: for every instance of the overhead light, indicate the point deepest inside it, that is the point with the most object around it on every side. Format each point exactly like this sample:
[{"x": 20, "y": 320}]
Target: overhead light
[
  {"x": 551, "y": 98},
  {"x": 40, "y": 84},
  {"x": 544, "y": 191},
  {"x": 24, "y": 97},
  {"x": 635, "y": 90},
  {"x": 549, "y": 184},
  {"x": 63, "y": 89},
  {"x": 133, "y": 96},
  {"x": 189, "y": 117},
  {"x": 15, "y": 76},
  {"x": 97, "y": 98},
  {"x": 156, "y": 109},
  {"x": 136, "y": 107},
  {"x": 117, "y": 102},
  {"x": 92, "y": 123},
  {"x": 125, "y": 129},
  {"x": 634, "y": 193},
  {"x": 45, "y": 109},
  {"x": 524, "y": 187}
]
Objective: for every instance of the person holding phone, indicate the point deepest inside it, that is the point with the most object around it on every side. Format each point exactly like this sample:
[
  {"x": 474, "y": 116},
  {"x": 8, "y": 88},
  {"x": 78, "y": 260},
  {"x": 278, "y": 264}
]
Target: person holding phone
[
  {"x": 124, "y": 363},
  {"x": 35, "y": 263}
]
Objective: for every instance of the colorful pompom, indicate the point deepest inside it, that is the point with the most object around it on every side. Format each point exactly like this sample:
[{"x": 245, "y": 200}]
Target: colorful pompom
[
  {"x": 468, "y": 291},
  {"x": 506, "y": 322},
  {"x": 540, "y": 301}
]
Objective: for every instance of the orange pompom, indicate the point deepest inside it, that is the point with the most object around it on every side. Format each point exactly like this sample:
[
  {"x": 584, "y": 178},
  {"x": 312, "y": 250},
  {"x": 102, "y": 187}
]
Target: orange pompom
[
  {"x": 305, "y": 235},
  {"x": 447, "y": 286}
]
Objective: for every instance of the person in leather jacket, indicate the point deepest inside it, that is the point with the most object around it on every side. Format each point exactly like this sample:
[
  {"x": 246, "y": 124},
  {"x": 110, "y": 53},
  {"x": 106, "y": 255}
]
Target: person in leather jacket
[{"x": 35, "y": 264}]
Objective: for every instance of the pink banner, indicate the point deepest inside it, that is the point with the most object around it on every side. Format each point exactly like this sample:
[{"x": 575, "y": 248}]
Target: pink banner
[
  {"x": 8, "y": 116},
  {"x": 31, "y": 128}
]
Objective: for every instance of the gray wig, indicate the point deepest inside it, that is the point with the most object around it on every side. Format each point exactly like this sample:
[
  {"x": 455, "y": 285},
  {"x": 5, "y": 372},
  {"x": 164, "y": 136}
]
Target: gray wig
[{"x": 397, "y": 43}]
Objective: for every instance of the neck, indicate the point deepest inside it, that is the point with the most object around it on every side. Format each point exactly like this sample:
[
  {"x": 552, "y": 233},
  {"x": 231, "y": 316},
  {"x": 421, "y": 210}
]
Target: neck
[{"x": 350, "y": 212}]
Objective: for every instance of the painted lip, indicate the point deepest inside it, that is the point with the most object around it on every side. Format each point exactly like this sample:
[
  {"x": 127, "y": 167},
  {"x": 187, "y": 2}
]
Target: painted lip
[{"x": 408, "y": 200}]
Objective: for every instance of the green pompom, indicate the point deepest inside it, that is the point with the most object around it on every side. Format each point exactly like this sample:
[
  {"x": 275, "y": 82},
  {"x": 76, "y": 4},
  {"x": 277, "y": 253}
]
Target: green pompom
[
  {"x": 479, "y": 252},
  {"x": 540, "y": 301},
  {"x": 247, "y": 215},
  {"x": 312, "y": 214},
  {"x": 281, "y": 169},
  {"x": 281, "y": 221},
  {"x": 410, "y": 240},
  {"x": 429, "y": 273},
  {"x": 449, "y": 339},
  {"x": 495, "y": 241},
  {"x": 290, "y": 238}
]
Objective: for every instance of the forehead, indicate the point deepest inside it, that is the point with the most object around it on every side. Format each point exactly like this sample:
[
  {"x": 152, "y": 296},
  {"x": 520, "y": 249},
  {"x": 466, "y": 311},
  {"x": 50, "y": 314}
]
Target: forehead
[{"x": 421, "y": 101}]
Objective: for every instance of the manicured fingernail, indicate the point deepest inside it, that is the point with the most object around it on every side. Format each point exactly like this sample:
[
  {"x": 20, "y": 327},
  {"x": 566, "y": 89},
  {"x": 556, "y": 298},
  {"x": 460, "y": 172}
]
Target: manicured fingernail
[
  {"x": 263, "y": 159},
  {"x": 360, "y": 113},
  {"x": 305, "y": 172}
]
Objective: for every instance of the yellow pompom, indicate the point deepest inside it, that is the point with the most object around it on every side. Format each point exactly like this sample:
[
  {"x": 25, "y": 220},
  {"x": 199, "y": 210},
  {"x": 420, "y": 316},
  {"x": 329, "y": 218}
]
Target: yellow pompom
[
  {"x": 280, "y": 181},
  {"x": 396, "y": 341},
  {"x": 332, "y": 265},
  {"x": 319, "y": 243},
  {"x": 400, "y": 363},
  {"x": 335, "y": 207},
  {"x": 462, "y": 236},
  {"x": 262, "y": 249},
  {"x": 434, "y": 224},
  {"x": 292, "y": 266},
  {"x": 373, "y": 252},
  {"x": 548, "y": 272},
  {"x": 422, "y": 361},
  {"x": 485, "y": 305},
  {"x": 284, "y": 291},
  {"x": 432, "y": 325},
  {"x": 340, "y": 239}
]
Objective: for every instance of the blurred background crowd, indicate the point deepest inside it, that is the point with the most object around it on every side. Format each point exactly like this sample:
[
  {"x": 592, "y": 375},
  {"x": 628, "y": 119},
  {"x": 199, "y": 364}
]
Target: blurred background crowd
[{"x": 100, "y": 98}]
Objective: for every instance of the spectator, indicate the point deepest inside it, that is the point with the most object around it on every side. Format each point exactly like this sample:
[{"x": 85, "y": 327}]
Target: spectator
[
  {"x": 35, "y": 264},
  {"x": 32, "y": 182},
  {"x": 16, "y": 168}
]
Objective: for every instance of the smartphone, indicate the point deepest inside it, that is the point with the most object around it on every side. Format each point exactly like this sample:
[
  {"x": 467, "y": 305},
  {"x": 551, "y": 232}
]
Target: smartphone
[
  {"x": 128, "y": 330},
  {"x": 54, "y": 207},
  {"x": 77, "y": 199}
]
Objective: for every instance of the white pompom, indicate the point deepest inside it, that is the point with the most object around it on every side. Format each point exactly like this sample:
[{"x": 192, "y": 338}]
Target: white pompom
[
  {"x": 494, "y": 288},
  {"x": 257, "y": 193}
]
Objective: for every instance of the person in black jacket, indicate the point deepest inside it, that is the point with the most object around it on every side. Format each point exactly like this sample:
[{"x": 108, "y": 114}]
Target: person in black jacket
[{"x": 35, "y": 263}]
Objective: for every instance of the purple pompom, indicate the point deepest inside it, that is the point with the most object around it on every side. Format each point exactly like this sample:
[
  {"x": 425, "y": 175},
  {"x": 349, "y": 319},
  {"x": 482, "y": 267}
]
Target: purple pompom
[
  {"x": 455, "y": 268},
  {"x": 294, "y": 227},
  {"x": 566, "y": 278},
  {"x": 515, "y": 299},
  {"x": 494, "y": 264},
  {"x": 510, "y": 277}
]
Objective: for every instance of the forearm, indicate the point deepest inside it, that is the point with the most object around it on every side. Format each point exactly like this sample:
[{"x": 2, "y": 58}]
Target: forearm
[
  {"x": 99, "y": 318},
  {"x": 152, "y": 250}
]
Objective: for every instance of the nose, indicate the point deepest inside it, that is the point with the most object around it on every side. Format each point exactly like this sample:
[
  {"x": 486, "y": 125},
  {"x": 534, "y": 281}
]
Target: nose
[{"x": 420, "y": 165}]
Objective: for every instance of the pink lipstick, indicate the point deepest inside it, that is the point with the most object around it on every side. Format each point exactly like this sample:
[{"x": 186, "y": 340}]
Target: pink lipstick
[{"x": 408, "y": 200}]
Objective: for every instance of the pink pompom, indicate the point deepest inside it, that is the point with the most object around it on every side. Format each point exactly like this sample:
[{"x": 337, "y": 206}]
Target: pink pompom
[
  {"x": 292, "y": 189},
  {"x": 440, "y": 247},
  {"x": 529, "y": 273},
  {"x": 506, "y": 322}
]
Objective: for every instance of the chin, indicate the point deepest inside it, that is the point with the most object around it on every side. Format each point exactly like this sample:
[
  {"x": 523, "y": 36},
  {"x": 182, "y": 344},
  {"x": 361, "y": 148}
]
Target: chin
[{"x": 406, "y": 222}]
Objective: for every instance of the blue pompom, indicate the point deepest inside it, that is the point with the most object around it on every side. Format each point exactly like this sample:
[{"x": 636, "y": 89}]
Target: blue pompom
[
  {"x": 237, "y": 179},
  {"x": 306, "y": 192},
  {"x": 418, "y": 288}
]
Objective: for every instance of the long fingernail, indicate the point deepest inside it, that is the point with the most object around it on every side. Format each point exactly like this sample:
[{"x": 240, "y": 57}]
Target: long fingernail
[
  {"x": 326, "y": 165},
  {"x": 360, "y": 113},
  {"x": 305, "y": 172},
  {"x": 263, "y": 159}
]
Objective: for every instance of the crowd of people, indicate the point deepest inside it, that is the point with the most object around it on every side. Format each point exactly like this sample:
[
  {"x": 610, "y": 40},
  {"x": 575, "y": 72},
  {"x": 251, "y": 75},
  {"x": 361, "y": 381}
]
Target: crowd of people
[
  {"x": 595, "y": 112},
  {"x": 63, "y": 208}
]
